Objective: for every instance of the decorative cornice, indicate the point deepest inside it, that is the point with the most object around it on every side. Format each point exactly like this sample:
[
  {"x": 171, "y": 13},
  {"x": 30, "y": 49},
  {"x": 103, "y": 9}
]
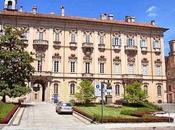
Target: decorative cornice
[
  {"x": 72, "y": 57},
  {"x": 56, "y": 56},
  {"x": 117, "y": 60},
  {"x": 102, "y": 59}
]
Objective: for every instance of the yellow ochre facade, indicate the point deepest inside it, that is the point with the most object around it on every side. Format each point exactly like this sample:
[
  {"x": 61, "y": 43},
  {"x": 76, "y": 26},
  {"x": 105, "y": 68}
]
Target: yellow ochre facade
[{"x": 69, "y": 49}]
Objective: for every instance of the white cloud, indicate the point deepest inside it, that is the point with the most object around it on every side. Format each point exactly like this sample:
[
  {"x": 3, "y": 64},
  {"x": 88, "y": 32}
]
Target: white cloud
[{"x": 152, "y": 11}]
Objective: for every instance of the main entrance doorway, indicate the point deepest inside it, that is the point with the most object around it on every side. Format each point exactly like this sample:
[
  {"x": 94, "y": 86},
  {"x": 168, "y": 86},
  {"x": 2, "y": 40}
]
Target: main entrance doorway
[{"x": 38, "y": 92}]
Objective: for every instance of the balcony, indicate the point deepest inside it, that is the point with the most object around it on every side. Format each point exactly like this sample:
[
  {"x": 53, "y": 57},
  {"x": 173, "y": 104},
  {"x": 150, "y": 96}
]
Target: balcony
[
  {"x": 87, "y": 75},
  {"x": 73, "y": 45},
  {"x": 132, "y": 77},
  {"x": 101, "y": 47},
  {"x": 87, "y": 48},
  {"x": 42, "y": 75},
  {"x": 57, "y": 44},
  {"x": 24, "y": 42},
  {"x": 157, "y": 51},
  {"x": 144, "y": 49},
  {"x": 116, "y": 48},
  {"x": 40, "y": 44},
  {"x": 131, "y": 49}
]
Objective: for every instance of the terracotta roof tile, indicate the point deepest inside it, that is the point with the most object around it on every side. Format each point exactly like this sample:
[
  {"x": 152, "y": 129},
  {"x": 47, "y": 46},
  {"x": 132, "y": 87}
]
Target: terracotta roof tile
[{"x": 73, "y": 18}]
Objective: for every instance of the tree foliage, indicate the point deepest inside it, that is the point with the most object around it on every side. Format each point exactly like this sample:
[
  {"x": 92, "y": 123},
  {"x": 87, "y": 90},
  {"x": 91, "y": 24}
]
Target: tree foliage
[
  {"x": 134, "y": 93},
  {"x": 15, "y": 63},
  {"x": 86, "y": 92}
]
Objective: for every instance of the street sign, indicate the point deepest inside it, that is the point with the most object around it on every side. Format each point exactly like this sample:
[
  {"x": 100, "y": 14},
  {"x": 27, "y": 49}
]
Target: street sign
[{"x": 98, "y": 89}]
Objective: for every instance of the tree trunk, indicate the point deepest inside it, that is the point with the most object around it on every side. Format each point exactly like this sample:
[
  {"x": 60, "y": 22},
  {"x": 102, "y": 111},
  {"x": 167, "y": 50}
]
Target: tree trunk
[{"x": 4, "y": 99}]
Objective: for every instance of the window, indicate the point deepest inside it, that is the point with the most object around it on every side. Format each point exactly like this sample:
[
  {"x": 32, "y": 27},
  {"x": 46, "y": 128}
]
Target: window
[
  {"x": 145, "y": 89},
  {"x": 144, "y": 69},
  {"x": 117, "y": 89},
  {"x": 56, "y": 66},
  {"x": 158, "y": 70},
  {"x": 101, "y": 39},
  {"x": 87, "y": 67},
  {"x": 101, "y": 68},
  {"x": 87, "y": 38},
  {"x": 159, "y": 90},
  {"x": 39, "y": 67},
  {"x": 40, "y": 35},
  {"x": 156, "y": 44},
  {"x": 72, "y": 67},
  {"x": 117, "y": 68},
  {"x": 116, "y": 41},
  {"x": 73, "y": 37},
  {"x": 57, "y": 37},
  {"x": 143, "y": 43},
  {"x": 55, "y": 88},
  {"x": 130, "y": 68},
  {"x": 131, "y": 42},
  {"x": 72, "y": 88}
]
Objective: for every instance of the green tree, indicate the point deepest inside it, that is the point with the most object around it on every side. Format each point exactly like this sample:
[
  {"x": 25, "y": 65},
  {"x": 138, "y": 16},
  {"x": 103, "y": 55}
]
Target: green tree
[
  {"x": 15, "y": 63},
  {"x": 134, "y": 93},
  {"x": 85, "y": 92}
]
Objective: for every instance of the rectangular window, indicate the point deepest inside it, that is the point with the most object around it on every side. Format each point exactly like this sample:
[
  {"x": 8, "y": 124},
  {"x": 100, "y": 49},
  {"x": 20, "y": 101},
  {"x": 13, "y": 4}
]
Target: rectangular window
[
  {"x": 55, "y": 88},
  {"x": 73, "y": 38},
  {"x": 72, "y": 67},
  {"x": 156, "y": 44},
  {"x": 39, "y": 67},
  {"x": 72, "y": 88},
  {"x": 117, "y": 90},
  {"x": 57, "y": 37},
  {"x": 101, "y": 40},
  {"x": 40, "y": 35},
  {"x": 87, "y": 67},
  {"x": 117, "y": 68},
  {"x": 56, "y": 66},
  {"x": 101, "y": 68},
  {"x": 144, "y": 69},
  {"x": 131, "y": 42},
  {"x": 116, "y": 41},
  {"x": 87, "y": 38},
  {"x": 143, "y": 43},
  {"x": 158, "y": 70},
  {"x": 130, "y": 68}
]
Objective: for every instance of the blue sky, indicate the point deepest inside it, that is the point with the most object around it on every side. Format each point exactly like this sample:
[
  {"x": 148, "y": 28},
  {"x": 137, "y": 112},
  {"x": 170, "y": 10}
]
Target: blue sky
[{"x": 162, "y": 11}]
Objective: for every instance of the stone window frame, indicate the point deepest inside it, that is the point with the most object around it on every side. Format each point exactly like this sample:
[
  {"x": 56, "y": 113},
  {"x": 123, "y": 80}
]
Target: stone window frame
[
  {"x": 57, "y": 31},
  {"x": 89, "y": 34},
  {"x": 73, "y": 58},
  {"x": 72, "y": 89},
  {"x": 56, "y": 57},
  {"x": 101, "y": 37},
  {"x": 145, "y": 38},
  {"x": 117, "y": 61},
  {"x": 116, "y": 35},
  {"x": 40, "y": 33},
  {"x": 75, "y": 33},
  {"x": 131, "y": 38}
]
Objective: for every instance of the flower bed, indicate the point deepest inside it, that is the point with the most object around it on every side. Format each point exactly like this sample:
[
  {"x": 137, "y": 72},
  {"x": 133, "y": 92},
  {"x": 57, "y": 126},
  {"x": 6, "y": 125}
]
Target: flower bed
[
  {"x": 9, "y": 115},
  {"x": 139, "y": 117}
]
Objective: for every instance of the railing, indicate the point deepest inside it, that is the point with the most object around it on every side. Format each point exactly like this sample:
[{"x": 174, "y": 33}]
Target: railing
[
  {"x": 87, "y": 75},
  {"x": 42, "y": 73},
  {"x": 87, "y": 44},
  {"x": 132, "y": 76},
  {"x": 131, "y": 48},
  {"x": 40, "y": 42}
]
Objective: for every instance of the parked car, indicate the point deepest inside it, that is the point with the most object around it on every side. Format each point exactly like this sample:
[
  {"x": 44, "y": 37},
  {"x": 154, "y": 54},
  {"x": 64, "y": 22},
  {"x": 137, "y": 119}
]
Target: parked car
[{"x": 64, "y": 107}]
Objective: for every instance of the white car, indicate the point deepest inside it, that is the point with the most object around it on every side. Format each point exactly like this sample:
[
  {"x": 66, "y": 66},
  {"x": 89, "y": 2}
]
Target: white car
[{"x": 63, "y": 107}]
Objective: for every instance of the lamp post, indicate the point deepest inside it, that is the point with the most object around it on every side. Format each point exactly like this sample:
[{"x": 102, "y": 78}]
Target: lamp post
[{"x": 102, "y": 101}]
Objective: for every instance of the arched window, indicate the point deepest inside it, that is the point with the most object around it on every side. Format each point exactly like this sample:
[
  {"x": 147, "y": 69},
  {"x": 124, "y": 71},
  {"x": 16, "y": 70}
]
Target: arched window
[
  {"x": 72, "y": 88},
  {"x": 55, "y": 88},
  {"x": 159, "y": 90},
  {"x": 145, "y": 89},
  {"x": 117, "y": 89}
]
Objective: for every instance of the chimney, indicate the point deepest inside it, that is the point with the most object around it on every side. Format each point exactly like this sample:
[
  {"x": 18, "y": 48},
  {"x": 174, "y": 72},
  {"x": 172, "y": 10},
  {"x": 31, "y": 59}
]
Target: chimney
[
  {"x": 152, "y": 22},
  {"x": 21, "y": 9},
  {"x": 34, "y": 9},
  {"x": 111, "y": 17},
  {"x": 129, "y": 19},
  {"x": 52, "y": 13},
  {"x": 62, "y": 11},
  {"x": 104, "y": 16}
]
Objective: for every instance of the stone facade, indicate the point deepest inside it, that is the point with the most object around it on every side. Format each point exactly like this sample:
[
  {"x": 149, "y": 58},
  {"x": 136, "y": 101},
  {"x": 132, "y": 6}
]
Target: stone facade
[
  {"x": 170, "y": 71},
  {"x": 70, "y": 49}
]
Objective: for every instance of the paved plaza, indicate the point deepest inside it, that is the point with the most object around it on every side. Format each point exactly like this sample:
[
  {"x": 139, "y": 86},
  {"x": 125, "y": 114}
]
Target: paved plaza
[{"x": 42, "y": 116}]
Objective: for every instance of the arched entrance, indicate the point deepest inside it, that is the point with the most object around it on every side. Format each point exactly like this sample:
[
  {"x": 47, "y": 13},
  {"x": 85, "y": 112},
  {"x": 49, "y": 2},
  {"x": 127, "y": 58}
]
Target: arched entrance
[{"x": 38, "y": 91}]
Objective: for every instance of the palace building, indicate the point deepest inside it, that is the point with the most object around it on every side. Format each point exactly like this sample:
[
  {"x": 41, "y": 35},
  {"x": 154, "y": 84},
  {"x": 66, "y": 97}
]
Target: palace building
[
  {"x": 170, "y": 71},
  {"x": 69, "y": 49}
]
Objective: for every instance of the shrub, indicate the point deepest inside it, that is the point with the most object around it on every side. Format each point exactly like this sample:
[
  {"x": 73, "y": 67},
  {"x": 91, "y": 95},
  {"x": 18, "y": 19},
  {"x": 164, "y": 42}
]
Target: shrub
[{"x": 127, "y": 112}]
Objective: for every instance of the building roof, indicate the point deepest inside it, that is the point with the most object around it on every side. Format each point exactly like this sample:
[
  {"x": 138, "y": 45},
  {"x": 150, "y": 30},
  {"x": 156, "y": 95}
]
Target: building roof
[{"x": 81, "y": 19}]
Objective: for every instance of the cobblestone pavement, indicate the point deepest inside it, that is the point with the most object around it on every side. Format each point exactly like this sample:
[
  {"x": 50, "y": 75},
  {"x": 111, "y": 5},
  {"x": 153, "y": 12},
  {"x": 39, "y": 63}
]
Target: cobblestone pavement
[{"x": 42, "y": 116}]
